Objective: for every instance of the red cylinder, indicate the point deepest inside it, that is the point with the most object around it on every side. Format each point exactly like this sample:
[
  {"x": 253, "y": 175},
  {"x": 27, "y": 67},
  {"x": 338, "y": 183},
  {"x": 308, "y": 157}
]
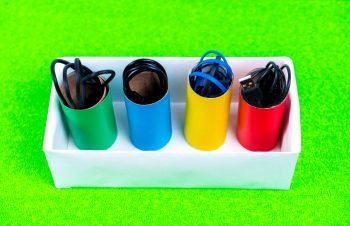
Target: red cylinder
[{"x": 258, "y": 129}]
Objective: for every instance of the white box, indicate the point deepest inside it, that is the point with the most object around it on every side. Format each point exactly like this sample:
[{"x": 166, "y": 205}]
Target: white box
[{"x": 177, "y": 164}]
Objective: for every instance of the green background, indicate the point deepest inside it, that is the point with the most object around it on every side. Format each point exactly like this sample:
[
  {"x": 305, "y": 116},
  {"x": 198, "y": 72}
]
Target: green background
[{"x": 315, "y": 34}]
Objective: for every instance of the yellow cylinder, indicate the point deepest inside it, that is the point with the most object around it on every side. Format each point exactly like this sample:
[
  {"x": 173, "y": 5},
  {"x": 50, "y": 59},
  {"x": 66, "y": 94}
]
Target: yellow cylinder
[{"x": 206, "y": 119}]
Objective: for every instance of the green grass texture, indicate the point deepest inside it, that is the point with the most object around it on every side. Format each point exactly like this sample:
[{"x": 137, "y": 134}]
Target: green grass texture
[{"x": 315, "y": 34}]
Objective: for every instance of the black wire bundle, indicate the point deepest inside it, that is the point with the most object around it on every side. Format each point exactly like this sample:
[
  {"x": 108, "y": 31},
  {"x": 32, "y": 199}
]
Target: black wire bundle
[
  {"x": 134, "y": 69},
  {"x": 83, "y": 77},
  {"x": 271, "y": 86}
]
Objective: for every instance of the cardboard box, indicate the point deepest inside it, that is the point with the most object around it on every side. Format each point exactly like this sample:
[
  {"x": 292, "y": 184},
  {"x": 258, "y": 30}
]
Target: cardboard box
[{"x": 177, "y": 165}]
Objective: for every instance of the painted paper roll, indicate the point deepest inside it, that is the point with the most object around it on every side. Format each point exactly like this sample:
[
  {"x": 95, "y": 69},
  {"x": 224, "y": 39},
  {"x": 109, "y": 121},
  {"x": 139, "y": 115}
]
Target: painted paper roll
[
  {"x": 209, "y": 91},
  {"x": 86, "y": 104},
  {"x": 149, "y": 125},
  {"x": 147, "y": 101},
  {"x": 206, "y": 119},
  {"x": 93, "y": 128},
  {"x": 258, "y": 129}
]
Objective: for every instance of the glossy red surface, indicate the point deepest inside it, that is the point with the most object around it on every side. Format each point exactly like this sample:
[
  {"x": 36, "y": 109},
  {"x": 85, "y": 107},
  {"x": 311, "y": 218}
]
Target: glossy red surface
[{"x": 258, "y": 129}]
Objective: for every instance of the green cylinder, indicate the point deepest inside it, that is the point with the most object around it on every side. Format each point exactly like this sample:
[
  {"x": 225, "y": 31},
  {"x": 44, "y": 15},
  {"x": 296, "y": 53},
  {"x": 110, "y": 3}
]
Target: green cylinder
[{"x": 93, "y": 128}]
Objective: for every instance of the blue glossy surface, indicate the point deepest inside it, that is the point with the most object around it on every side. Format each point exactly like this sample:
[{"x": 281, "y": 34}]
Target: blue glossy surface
[{"x": 149, "y": 125}]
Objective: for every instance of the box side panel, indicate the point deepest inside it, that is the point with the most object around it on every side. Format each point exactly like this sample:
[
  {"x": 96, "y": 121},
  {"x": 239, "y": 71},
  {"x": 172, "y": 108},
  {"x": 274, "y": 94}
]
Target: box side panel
[
  {"x": 56, "y": 133},
  {"x": 113, "y": 169}
]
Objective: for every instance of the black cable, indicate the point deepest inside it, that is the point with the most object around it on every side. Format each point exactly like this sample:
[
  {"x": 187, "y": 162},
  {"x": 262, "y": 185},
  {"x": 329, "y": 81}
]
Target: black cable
[
  {"x": 285, "y": 92},
  {"x": 83, "y": 76},
  {"x": 55, "y": 81},
  {"x": 134, "y": 69},
  {"x": 66, "y": 85},
  {"x": 266, "y": 87},
  {"x": 80, "y": 95}
]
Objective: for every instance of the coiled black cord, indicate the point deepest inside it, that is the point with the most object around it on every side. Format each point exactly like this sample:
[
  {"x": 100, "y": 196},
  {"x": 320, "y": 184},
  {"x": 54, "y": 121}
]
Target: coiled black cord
[
  {"x": 83, "y": 77},
  {"x": 134, "y": 69},
  {"x": 266, "y": 87}
]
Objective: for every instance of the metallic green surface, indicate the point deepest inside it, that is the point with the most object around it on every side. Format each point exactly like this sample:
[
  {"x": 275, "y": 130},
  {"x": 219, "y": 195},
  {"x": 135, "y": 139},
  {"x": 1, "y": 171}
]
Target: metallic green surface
[{"x": 94, "y": 128}]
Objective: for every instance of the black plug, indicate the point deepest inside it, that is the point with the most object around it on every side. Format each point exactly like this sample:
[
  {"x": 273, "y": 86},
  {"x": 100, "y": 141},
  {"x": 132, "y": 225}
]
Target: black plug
[{"x": 250, "y": 91}]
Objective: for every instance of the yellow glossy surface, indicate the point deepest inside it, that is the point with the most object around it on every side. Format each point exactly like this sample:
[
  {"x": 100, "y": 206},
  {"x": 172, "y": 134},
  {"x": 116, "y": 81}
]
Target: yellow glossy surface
[{"x": 206, "y": 119}]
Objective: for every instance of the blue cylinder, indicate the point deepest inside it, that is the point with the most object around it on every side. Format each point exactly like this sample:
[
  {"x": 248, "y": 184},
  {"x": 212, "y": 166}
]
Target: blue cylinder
[{"x": 149, "y": 124}]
